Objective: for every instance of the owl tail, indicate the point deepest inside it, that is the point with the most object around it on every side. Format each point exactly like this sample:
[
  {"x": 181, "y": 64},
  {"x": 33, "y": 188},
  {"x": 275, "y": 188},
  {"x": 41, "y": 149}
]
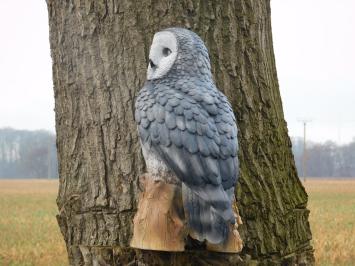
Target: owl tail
[{"x": 208, "y": 218}]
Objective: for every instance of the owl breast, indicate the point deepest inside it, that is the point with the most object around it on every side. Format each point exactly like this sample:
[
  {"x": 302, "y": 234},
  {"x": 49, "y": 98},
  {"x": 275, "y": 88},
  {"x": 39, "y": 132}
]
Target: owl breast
[{"x": 156, "y": 167}]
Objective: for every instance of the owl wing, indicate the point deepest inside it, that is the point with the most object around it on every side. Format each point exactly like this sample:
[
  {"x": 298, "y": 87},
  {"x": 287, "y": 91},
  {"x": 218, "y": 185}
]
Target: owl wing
[{"x": 193, "y": 130}]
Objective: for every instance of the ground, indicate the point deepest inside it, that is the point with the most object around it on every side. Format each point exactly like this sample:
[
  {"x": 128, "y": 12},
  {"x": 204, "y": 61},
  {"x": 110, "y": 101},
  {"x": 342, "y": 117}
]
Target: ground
[{"x": 30, "y": 235}]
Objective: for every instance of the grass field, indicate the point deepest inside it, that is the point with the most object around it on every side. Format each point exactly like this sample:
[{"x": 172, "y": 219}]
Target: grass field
[
  {"x": 29, "y": 234},
  {"x": 332, "y": 218}
]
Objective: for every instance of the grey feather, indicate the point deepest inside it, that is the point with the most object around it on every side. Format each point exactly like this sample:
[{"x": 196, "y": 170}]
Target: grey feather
[
  {"x": 164, "y": 135},
  {"x": 143, "y": 114},
  {"x": 217, "y": 139},
  {"x": 211, "y": 109},
  {"x": 180, "y": 122},
  {"x": 228, "y": 169},
  {"x": 212, "y": 167},
  {"x": 201, "y": 119},
  {"x": 159, "y": 113},
  {"x": 185, "y": 104},
  {"x": 202, "y": 146},
  {"x": 226, "y": 151},
  {"x": 175, "y": 136},
  {"x": 209, "y": 130},
  {"x": 196, "y": 167},
  {"x": 170, "y": 120},
  {"x": 163, "y": 100},
  {"x": 213, "y": 148},
  {"x": 179, "y": 110},
  {"x": 169, "y": 108},
  {"x": 201, "y": 129},
  {"x": 189, "y": 141},
  {"x": 191, "y": 126},
  {"x": 144, "y": 122},
  {"x": 143, "y": 133},
  {"x": 150, "y": 114},
  {"x": 188, "y": 114},
  {"x": 154, "y": 133},
  {"x": 174, "y": 102}
]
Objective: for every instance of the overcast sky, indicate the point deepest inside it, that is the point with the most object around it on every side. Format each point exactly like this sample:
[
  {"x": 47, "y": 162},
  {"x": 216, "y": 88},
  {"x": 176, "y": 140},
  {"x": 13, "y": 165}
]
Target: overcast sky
[{"x": 314, "y": 42}]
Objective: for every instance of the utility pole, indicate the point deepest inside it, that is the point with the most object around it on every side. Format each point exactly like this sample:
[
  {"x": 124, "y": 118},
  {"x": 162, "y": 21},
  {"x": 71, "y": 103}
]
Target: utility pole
[
  {"x": 49, "y": 158},
  {"x": 304, "y": 157},
  {"x": 304, "y": 161}
]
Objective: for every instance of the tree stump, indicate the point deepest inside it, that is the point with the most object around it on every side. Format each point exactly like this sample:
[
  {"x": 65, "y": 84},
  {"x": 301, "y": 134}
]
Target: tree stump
[{"x": 159, "y": 223}]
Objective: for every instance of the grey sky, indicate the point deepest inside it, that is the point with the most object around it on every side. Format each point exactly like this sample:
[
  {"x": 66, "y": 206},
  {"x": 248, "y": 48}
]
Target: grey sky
[
  {"x": 26, "y": 94},
  {"x": 314, "y": 44}
]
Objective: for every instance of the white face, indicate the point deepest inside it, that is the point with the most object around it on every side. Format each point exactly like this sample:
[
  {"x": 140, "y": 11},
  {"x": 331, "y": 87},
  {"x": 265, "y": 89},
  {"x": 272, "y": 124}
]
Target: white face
[{"x": 162, "y": 54}]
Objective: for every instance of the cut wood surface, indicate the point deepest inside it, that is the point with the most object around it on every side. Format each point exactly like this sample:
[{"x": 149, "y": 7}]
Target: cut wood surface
[{"x": 159, "y": 223}]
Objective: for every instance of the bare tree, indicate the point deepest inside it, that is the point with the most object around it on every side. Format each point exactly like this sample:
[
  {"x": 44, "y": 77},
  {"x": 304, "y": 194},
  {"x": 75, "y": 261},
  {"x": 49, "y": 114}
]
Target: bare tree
[
  {"x": 26, "y": 154},
  {"x": 326, "y": 159},
  {"x": 99, "y": 51}
]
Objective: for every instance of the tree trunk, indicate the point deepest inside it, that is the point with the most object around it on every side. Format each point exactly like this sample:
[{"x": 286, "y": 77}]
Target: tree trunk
[{"x": 100, "y": 51}]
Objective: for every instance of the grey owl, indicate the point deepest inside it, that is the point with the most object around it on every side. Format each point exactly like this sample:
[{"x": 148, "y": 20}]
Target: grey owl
[{"x": 187, "y": 126}]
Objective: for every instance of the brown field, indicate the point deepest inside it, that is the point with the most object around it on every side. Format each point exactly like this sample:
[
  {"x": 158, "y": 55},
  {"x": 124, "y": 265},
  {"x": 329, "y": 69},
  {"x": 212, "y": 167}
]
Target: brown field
[
  {"x": 332, "y": 218},
  {"x": 29, "y": 234}
]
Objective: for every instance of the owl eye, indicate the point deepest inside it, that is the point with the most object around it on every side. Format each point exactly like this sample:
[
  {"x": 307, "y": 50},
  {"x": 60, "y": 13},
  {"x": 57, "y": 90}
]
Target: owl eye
[{"x": 166, "y": 51}]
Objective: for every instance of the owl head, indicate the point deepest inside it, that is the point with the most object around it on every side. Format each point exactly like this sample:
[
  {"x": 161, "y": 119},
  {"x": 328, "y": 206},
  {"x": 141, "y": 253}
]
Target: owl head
[{"x": 177, "y": 52}]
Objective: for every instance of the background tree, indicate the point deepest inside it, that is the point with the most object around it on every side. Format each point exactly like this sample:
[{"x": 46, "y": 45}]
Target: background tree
[
  {"x": 347, "y": 160},
  {"x": 326, "y": 159},
  {"x": 100, "y": 51},
  {"x": 27, "y": 154},
  {"x": 321, "y": 160}
]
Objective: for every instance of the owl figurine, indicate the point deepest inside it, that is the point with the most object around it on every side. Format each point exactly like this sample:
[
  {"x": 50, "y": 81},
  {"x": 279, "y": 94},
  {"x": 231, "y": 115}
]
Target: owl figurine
[{"x": 188, "y": 132}]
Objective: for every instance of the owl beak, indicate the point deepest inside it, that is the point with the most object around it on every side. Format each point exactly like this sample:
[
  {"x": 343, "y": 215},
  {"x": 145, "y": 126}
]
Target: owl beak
[{"x": 151, "y": 63}]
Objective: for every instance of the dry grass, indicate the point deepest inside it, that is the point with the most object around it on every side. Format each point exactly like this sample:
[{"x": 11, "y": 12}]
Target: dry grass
[
  {"x": 29, "y": 234},
  {"x": 332, "y": 218}
]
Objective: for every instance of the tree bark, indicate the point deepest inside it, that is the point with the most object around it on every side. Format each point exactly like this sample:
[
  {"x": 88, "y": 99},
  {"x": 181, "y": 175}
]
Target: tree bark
[{"x": 99, "y": 51}]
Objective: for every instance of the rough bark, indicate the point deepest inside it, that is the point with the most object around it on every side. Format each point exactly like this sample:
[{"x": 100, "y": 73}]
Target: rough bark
[{"x": 99, "y": 51}]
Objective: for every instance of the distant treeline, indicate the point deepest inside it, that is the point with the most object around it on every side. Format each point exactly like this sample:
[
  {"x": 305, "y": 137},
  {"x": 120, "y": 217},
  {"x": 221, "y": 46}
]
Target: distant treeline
[
  {"x": 27, "y": 154},
  {"x": 325, "y": 159},
  {"x": 32, "y": 154}
]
